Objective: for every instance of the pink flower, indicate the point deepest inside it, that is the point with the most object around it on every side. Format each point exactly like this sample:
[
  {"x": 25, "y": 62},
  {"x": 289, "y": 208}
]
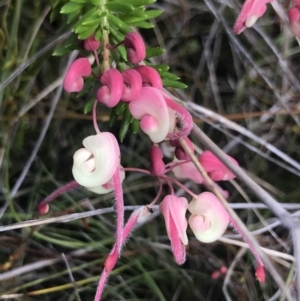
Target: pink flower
[
  {"x": 73, "y": 81},
  {"x": 188, "y": 171},
  {"x": 111, "y": 91},
  {"x": 136, "y": 51},
  {"x": 91, "y": 44},
  {"x": 260, "y": 273},
  {"x": 294, "y": 19},
  {"x": 209, "y": 218},
  {"x": 96, "y": 164},
  {"x": 215, "y": 168},
  {"x": 157, "y": 166},
  {"x": 251, "y": 11},
  {"x": 150, "y": 77},
  {"x": 150, "y": 107},
  {"x": 174, "y": 209},
  {"x": 132, "y": 85}
]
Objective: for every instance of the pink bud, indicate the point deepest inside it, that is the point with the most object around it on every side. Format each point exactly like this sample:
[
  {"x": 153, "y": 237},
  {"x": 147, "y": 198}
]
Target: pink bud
[
  {"x": 136, "y": 51},
  {"x": 251, "y": 11},
  {"x": 215, "y": 275},
  {"x": 296, "y": 2},
  {"x": 111, "y": 91},
  {"x": 223, "y": 269},
  {"x": 150, "y": 107},
  {"x": 180, "y": 153},
  {"x": 132, "y": 85},
  {"x": 91, "y": 44},
  {"x": 215, "y": 168},
  {"x": 209, "y": 218},
  {"x": 260, "y": 274},
  {"x": 73, "y": 81},
  {"x": 174, "y": 209},
  {"x": 294, "y": 19},
  {"x": 43, "y": 209},
  {"x": 96, "y": 164},
  {"x": 157, "y": 167},
  {"x": 150, "y": 77}
]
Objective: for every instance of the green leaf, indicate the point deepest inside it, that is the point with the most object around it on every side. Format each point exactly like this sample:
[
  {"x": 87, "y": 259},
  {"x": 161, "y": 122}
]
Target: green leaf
[
  {"x": 72, "y": 17},
  {"x": 160, "y": 67},
  {"x": 119, "y": 7},
  {"x": 89, "y": 106},
  {"x": 70, "y": 8},
  {"x": 155, "y": 51},
  {"x": 89, "y": 84},
  {"x": 138, "y": 13},
  {"x": 95, "y": 2},
  {"x": 116, "y": 34},
  {"x": 92, "y": 22},
  {"x": 135, "y": 126},
  {"x": 154, "y": 13},
  {"x": 142, "y": 24},
  {"x": 98, "y": 34},
  {"x": 169, "y": 75},
  {"x": 79, "y": 1},
  {"x": 173, "y": 84},
  {"x": 85, "y": 34},
  {"x": 137, "y": 3},
  {"x": 119, "y": 24},
  {"x": 125, "y": 123},
  {"x": 89, "y": 15},
  {"x": 120, "y": 108},
  {"x": 63, "y": 50}
]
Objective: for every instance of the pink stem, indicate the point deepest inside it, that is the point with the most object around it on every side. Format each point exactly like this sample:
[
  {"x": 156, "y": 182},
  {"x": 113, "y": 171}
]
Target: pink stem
[
  {"x": 183, "y": 187},
  {"x": 167, "y": 179},
  {"x": 97, "y": 62},
  {"x": 186, "y": 121},
  {"x": 260, "y": 264},
  {"x": 95, "y": 117},
  {"x": 43, "y": 206},
  {"x": 136, "y": 169},
  {"x": 112, "y": 257},
  {"x": 113, "y": 47},
  {"x": 120, "y": 210},
  {"x": 158, "y": 193},
  {"x": 172, "y": 165}
]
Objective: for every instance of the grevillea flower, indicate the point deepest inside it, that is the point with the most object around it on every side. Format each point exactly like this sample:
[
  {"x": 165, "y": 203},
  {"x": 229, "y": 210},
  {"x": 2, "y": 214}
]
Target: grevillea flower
[
  {"x": 215, "y": 168},
  {"x": 150, "y": 77},
  {"x": 251, "y": 11},
  {"x": 174, "y": 209},
  {"x": 132, "y": 85},
  {"x": 112, "y": 88},
  {"x": 209, "y": 218},
  {"x": 150, "y": 107},
  {"x": 136, "y": 51},
  {"x": 91, "y": 44},
  {"x": 96, "y": 164},
  {"x": 157, "y": 167},
  {"x": 73, "y": 81},
  {"x": 294, "y": 19}
]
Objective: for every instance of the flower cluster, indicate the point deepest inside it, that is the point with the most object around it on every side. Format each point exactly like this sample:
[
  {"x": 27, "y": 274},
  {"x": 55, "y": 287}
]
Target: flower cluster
[{"x": 97, "y": 166}]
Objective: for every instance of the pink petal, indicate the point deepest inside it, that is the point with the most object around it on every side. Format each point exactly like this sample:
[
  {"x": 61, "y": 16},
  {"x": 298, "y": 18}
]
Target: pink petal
[
  {"x": 151, "y": 109},
  {"x": 209, "y": 218},
  {"x": 150, "y": 77},
  {"x": 216, "y": 169},
  {"x": 180, "y": 153},
  {"x": 91, "y": 44},
  {"x": 188, "y": 171},
  {"x": 294, "y": 19},
  {"x": 73, "y": 81},
  {"x": 111, "y": 91},
  {"x": 136, "y": 51},
  {"x": 260, "y": 274},
  {"x": 132, "y": 85}
]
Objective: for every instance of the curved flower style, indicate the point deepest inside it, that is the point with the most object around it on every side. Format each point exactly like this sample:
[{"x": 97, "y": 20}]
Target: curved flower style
[
  {"x": 73, "y": 81},
  {"x": 136, "y": 51},
  {"x": 215, "y": 168},
  {"x": 180, "y": 153},
  {"x": 294, "y": 19},
  {"x": 209, "y": 218},
  {"x": 157, "y": 167},
  {"x": 132, "y": 85},
  {"x": 111, "y": 91},
  {"x": 150, "y": 107},
  {"x": 91, "y": 44},
  {"x": 174, "y": 209},
  {"x": 150, "y": 77},
  {"x": 251, "y": 11},
  {"x": 96, "y": 164}
]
